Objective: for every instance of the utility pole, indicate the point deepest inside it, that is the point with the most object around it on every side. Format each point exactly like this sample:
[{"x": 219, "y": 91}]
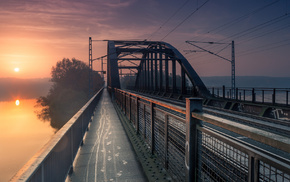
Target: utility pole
[
  {"x": 91, "y": 60},
  {"x": 102, "y": 68},
  {"x": 233, "y": 71},
  {"x": 232, "y": 61},
  {"x": 90, "y": 68}
]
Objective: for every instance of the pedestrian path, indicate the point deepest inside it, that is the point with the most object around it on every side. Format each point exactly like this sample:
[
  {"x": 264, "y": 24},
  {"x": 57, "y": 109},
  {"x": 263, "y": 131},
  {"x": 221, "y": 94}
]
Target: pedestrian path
[{"x": 107, "y": 154}]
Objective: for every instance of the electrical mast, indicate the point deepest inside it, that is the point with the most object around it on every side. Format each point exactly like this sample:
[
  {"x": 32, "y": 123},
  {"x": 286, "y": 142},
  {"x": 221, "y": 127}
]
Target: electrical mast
[
  {"x": 233, "y": 70},
  {"x": 90, "y": 68},
  {"x": 232, "y": 61}
]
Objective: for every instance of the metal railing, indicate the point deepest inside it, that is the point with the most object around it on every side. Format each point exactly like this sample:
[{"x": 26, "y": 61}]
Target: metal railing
[
  {"x": 54, "y": 161},
  {"x": 191, "y": 152},
  {"x": 256, "y": 95}
]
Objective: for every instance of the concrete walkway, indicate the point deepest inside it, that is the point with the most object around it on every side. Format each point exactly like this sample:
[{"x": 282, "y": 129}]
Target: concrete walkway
[{"x": 107, "y": 154}]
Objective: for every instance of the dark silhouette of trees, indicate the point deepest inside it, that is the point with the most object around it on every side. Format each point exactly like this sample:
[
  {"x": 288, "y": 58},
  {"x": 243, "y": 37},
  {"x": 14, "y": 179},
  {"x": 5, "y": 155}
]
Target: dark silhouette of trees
[{"x": 68, "y": 93}]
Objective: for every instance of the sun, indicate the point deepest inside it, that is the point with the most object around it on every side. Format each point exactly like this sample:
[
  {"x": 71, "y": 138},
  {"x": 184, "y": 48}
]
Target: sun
[
  {"x": 16, "y": 69},
  {"x": 17, "y": 102}
]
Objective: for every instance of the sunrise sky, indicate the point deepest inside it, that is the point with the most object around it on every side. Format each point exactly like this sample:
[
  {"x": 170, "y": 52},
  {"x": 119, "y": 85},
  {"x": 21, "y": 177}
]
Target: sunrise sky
[{"x": 35, "y": 34}]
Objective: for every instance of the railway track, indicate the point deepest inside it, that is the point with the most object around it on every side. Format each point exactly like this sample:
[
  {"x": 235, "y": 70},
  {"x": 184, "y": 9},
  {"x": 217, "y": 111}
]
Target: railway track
[{"x": 275, "y": 126}]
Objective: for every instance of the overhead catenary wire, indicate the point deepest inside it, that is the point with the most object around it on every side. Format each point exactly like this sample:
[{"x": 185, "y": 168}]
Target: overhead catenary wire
[
  {"x": 186, "y": 18},
  {"x": 190, "y": 42},
  {"x": 162, "y": 25},
  {"x": 255, "y": 28},
  {"x": 277, "y": 29},
  {"x": 239, "y": 19},
  {"x": 265, "y": 47},
  {"x": 258, "y": 27}
]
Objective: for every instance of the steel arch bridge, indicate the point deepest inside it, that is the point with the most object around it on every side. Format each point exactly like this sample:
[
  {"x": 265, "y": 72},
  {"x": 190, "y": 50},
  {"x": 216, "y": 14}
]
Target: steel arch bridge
[{"x": 156, "y": 66}]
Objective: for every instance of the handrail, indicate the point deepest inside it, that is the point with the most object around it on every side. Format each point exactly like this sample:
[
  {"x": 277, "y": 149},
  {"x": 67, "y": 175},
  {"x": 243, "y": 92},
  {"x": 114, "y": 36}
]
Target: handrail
[
  {"x": 54, "y": 161},
  {"x": 274, "y": 140},
  {"x": 192, "y": 152},
  {"x": 273, "y": 96}
]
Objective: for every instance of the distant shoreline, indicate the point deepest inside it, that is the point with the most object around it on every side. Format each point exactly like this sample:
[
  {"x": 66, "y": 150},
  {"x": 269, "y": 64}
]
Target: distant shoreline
[
  {"x": 32, "y": 88},
  {"x": 248, "y": 81},
  {"x": 18, "y": 88}
]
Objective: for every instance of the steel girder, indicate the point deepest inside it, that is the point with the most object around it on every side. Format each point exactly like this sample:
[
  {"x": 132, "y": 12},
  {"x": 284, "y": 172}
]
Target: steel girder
[
  {"x": 154, "y": 57},
  {"x": 112, "y": 66}
]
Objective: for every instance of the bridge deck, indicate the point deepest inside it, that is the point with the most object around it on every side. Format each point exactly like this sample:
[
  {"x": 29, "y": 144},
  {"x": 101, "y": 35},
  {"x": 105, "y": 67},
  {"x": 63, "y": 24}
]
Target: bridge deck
[{"x": 107, "y": 154}]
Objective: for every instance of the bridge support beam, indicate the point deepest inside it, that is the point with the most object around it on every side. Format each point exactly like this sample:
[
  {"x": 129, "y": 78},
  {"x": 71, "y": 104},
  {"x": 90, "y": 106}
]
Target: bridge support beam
[
  {"x": 183, "y": 83},
  {"x": 191, "y": 145},
  {"x": 160, "y": 69},
  {"x": 156, "y": 70},
  {"x": 151, "y": 71},
  {"x": 166, "y": 74},
  {"x": 173, "y": 76},
  {"x": 112, "y": 66}
]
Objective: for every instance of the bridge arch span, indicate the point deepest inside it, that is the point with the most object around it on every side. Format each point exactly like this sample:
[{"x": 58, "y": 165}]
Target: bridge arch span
[{"x": 155, "y": 64}]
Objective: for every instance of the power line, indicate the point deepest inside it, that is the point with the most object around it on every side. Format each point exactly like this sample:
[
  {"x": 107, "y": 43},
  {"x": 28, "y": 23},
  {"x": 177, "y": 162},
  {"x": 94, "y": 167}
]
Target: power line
[
  {"x": 242, "y": 17},
  {"x": 275, "y": 47},
  {"x": 283, "y": 17},
  {"x": 274, "y": 20},
  {"x": 224, "y": 26},
  {"x": 149, "y": 38},
  {"x": 266, "y": 47},
  {"x": 184, "y": 20},
  {"x": 252, "y": 29},
  {"x": 266, "y": 33},
  {"x": 190, "y": 42}
]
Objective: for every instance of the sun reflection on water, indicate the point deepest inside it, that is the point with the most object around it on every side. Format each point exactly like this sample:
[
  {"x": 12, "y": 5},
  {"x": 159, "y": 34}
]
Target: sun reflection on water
[
  {"x": 21, "y": 135},
  {"x": 17, "y": 102}
]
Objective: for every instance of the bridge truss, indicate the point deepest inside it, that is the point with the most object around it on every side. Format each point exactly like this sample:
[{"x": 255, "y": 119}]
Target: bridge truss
[{"x": 159, "y": 67}]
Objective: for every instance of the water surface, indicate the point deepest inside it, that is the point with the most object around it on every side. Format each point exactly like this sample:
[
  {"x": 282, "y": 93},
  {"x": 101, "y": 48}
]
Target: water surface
[{"x": 21, "y": 135}]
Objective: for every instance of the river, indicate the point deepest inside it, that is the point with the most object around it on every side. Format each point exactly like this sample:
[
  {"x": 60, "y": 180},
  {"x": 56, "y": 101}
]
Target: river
[{"x": 21, "y": 135}]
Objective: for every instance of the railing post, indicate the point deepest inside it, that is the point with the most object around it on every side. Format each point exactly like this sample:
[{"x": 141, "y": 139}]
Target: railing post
[
  {"x": 224, "y": 91},
  {"x": 121, "y": 100},
  {"x": 129, "y": 106},
  {"x": 113, "y": 94},
  {"x": 274, "y": 96},
  {"x": 191, "y": 145},
  {"x": 42, "y": 172},
  {"x": 166, "y": 140},
  {"x": 137, "y": 115},
  {"x": 152, "y": 105},
  {"x": 253, "y": 169},
  {"x": 237, "y": 93},
  {"x": 72, "y": 150},
  {"x": 253, "y": 95},
  {"x": 144, "y": 121},
  {"x": 287, "y": 97},
  {"x": 125, "y": 103}
]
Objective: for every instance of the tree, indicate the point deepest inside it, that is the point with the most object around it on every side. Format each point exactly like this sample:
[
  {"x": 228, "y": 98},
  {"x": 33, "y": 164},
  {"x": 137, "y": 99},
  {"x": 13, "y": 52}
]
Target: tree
[{"x": 69, "y": 91}]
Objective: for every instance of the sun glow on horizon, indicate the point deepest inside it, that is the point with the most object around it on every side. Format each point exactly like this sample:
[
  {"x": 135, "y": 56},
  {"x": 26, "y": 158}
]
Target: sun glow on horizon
[
  {"x": 16, "y": 69},
  {"x": 17, "y": 102}
]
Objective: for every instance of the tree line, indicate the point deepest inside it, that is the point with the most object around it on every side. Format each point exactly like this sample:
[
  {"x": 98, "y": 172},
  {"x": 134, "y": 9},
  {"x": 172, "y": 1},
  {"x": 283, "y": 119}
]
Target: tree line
[{"x": 68, "y": 93}]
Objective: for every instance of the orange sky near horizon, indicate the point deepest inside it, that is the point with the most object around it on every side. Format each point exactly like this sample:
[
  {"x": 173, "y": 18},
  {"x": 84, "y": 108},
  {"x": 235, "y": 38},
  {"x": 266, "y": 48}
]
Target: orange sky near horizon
[
  {"x": 34, "y": 59},
  {"x": 35, "y": 34}
]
